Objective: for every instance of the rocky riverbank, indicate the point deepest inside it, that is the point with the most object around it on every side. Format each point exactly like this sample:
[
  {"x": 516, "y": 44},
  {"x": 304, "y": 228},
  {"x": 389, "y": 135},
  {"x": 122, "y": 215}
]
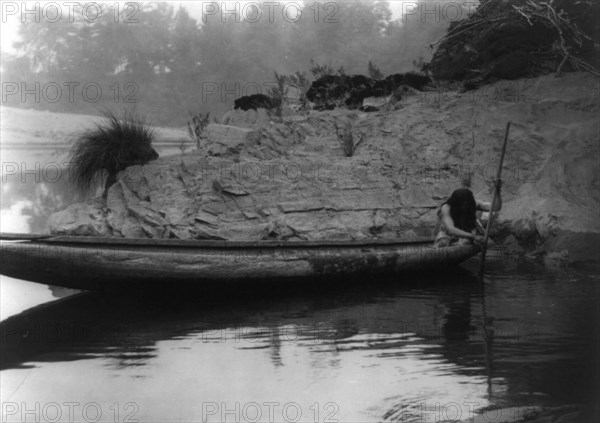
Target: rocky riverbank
[{"x": 260, "y": 177}]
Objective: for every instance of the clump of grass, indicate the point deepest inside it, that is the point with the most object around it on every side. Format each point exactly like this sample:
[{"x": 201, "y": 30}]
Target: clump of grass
[
  {"x": 318, "y": 70},
  {"x": 278, "y": 93},
  {"x": 110, "y": 147},
  {"x": 300, "y": 81},
  {"x": 346, "y": 138},
  {"x": 374, "y": 72},
  {"x": 197, "y": 127}
]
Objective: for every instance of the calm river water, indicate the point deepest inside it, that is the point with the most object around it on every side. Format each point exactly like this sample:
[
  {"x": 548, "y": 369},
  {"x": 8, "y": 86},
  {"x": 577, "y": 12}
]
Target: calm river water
[{"x": 427, "y": 348}]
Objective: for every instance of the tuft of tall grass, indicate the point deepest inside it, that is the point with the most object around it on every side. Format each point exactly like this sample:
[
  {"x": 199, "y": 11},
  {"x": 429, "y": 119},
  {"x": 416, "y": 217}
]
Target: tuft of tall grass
[
  {"x": 346, "y": 138},
  {"x": 300, "y": 81},
  {"x": 197, "y": 127},
  {"x": 110, "y": 147},
  {"x": 278, "y": 93},
  {"x": 374, "y": 72}
]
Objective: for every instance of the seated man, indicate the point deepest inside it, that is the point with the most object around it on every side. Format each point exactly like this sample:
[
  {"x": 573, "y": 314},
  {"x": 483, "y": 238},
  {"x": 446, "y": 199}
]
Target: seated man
[{"x": 458, "y": 220}]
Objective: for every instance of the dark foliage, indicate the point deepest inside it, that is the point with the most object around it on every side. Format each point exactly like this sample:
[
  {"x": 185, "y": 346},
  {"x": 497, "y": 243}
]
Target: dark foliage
[
  {"x": 332, "y": 91},
  {"x": 513, "y": 39},
  {"x": 254, "y": 101},
  {"x": 415, "y": 80}
]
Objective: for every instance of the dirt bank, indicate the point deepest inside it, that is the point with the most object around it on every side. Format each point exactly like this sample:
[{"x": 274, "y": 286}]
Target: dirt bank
[{"x": 260, "y": 178}]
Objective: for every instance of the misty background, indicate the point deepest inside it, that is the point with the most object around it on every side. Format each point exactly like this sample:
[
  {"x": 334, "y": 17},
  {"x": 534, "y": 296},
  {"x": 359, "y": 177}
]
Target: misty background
[{"x": 168, "y": 60}]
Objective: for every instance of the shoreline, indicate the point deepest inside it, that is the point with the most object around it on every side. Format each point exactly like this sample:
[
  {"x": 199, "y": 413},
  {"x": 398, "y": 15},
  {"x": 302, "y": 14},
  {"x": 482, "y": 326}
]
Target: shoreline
[{"x": 262, "y": 177}]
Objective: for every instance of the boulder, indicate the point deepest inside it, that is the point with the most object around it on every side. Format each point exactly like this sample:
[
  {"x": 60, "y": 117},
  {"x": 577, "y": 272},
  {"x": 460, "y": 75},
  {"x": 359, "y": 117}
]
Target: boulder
[
  {"x": 80, "y": 219},
  {"x": 246, "y": 119},
  {"x": 228, "y": 138}
]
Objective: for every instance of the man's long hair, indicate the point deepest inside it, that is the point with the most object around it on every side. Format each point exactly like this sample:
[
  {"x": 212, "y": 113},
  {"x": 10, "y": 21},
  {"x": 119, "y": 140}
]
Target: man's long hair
[{"x": 463, "y": 219}]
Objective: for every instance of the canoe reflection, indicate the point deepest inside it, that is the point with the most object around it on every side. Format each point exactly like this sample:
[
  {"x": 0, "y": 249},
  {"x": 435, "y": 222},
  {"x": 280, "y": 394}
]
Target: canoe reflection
[{"x": 127, "y": 328}]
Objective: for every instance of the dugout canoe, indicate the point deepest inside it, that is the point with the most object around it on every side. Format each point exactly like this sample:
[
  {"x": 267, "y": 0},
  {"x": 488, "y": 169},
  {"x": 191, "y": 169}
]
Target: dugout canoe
[{"x": 121, "y": 264}]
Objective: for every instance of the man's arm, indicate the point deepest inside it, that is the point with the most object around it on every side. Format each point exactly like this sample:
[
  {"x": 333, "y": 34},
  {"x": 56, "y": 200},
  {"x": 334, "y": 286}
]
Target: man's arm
[
  {"x": 449, "y": 224},
  {"x": 487, "y": 206}
]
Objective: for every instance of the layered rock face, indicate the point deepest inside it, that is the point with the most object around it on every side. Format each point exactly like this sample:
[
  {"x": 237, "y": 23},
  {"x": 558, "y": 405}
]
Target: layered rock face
[{"x": 289, "y": 179}]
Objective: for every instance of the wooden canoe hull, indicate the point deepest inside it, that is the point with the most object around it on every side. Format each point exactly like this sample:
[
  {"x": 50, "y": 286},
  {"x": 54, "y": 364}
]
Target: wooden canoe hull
[{"x": 117, "y": 264}]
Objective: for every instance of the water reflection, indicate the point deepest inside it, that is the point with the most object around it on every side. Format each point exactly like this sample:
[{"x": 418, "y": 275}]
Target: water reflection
[
  {"x": 364, "y": 352},
  {"x": 39, "y": 182},
  {"x": 28, "y": 201}
]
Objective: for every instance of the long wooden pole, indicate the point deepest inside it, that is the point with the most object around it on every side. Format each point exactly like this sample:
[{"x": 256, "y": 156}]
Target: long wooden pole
[{"x": 491, "y": 218}]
